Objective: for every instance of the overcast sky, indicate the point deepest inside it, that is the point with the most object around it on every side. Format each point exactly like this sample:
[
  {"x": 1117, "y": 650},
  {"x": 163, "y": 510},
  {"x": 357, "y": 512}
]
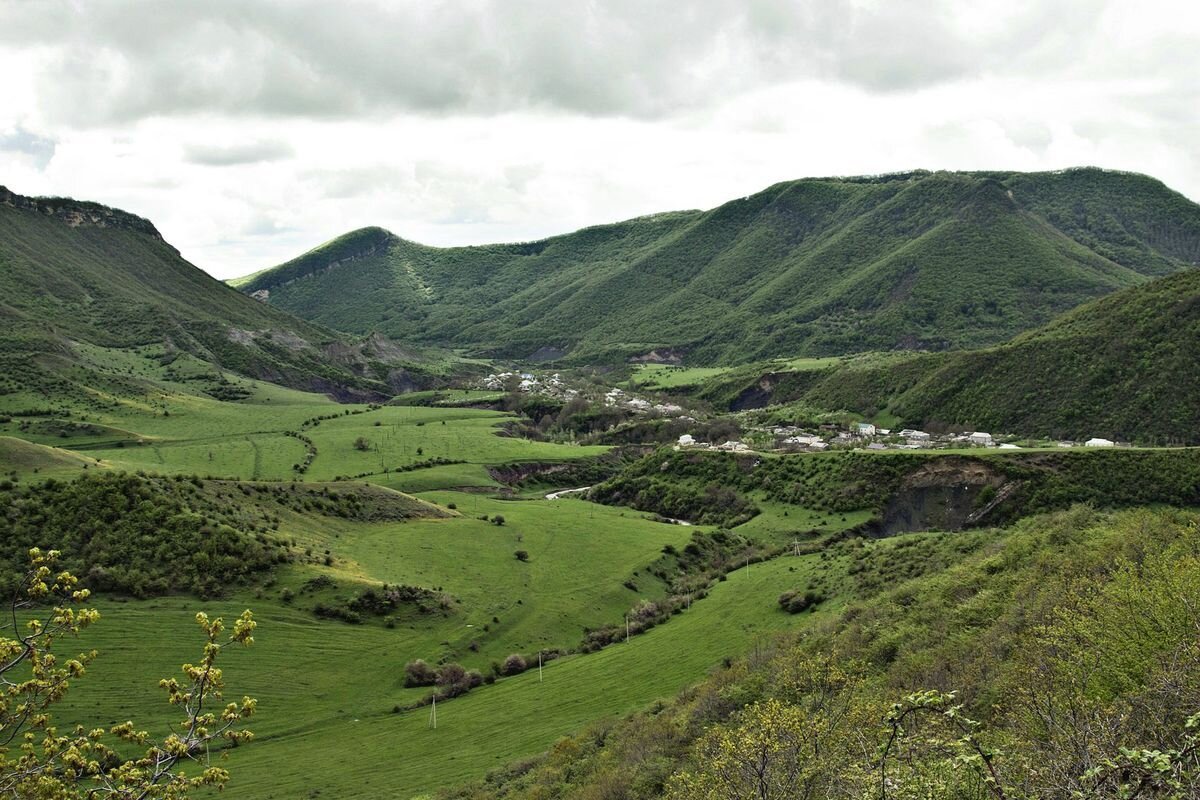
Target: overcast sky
[{"x": 250, "y": 131}]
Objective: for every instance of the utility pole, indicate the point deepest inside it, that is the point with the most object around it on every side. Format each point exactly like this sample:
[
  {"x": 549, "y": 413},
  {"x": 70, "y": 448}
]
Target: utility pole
[
  {"x": 795, "y": 547},
  {"x": 433, "y": 713},
  {"x": 539, "y": 666},
  {"x": 627, "y": 628}
]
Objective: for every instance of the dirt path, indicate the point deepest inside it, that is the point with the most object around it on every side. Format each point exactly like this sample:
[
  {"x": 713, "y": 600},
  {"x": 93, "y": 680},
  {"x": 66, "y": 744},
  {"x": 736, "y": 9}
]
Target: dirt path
[{"x": 561, "y": 492}]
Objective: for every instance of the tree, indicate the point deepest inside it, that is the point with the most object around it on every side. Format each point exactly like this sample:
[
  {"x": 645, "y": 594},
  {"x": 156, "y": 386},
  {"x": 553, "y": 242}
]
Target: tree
[
  {"x": 807, "y": 742},
  {"x": 46, "y": 764},
  {"x": 522, "y": 555},
  {"x": 946, "y": 758},
  {"x": 772, "y": 754},
  {"x": 362, "y": 443}
]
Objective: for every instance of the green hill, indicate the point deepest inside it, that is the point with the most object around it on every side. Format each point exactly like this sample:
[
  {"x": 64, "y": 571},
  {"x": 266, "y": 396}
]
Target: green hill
[
  {"x": 78, "y": 274},
  {"x": 811, "y": 267},
  {"x": 1120, "y": 367}
]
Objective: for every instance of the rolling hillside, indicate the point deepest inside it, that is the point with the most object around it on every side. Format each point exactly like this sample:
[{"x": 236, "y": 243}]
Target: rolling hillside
[
  {"x": 811, "y": 267},
  {"x": 1121, "y": 367},
  {"x": 78, "y": 274}
]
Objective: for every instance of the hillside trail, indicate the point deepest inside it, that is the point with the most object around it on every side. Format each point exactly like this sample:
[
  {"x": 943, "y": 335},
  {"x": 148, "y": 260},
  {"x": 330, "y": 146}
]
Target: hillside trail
[{"x": 562, "y": 492}]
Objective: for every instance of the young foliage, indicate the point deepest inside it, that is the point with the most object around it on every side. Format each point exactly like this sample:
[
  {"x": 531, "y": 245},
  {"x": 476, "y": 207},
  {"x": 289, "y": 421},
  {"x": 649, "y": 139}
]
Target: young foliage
[{"x": 40, "y": 762}]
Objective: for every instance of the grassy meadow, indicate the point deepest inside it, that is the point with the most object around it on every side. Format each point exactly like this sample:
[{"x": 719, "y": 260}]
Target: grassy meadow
[{"x": 327, "y": 691}]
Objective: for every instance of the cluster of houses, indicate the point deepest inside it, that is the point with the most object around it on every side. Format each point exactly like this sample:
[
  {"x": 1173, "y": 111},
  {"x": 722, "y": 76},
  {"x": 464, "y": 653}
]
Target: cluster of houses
[
  {"x": 617, "y": 398},
  {"x": 865, "y": 436},
  {"x": 870, "y": 437},
  {"x": 687, "y": 441},
  {"x": 859, "y": 435},
  {"x": 552, "y": 385}
]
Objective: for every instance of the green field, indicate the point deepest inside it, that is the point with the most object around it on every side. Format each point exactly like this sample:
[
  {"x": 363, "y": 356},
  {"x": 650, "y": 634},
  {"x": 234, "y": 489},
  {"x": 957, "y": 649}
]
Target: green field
[
  {"x": 326, "y": 693},
  {"x": 166, "y": 426},
  {"x": 668, "y": 376}
]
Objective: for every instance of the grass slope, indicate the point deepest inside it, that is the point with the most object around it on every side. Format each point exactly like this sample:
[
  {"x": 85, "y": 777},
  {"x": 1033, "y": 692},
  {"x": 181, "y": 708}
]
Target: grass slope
[
  {"x": 1121, "y": 367},
  {"x": 77, "y": 274},
  {"x": 25, "y": 460},
  {"x": 328, "y": 727},
  {"x": 810, "y": 267}
]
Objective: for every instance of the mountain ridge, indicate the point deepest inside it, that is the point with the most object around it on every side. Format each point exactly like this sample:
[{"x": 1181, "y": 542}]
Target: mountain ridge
[
  {"x": 916, "y": 260},
  {"x": 80, "y": 212},
  {"x": 79, "y": 272}
]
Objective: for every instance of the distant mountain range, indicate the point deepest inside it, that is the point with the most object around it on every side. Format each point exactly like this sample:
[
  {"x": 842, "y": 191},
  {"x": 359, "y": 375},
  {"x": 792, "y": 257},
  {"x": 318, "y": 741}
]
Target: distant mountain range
[
  {"x": 919, "y": 260},
  {"x": 947, "y": 263},
  {"x": 76, "y": 274}
]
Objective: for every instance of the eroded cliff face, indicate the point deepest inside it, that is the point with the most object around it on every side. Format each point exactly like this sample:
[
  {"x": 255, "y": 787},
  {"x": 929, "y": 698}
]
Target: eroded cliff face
[
  {"x": 946, "y": 494},
  {"x": 78, "y": 213}
]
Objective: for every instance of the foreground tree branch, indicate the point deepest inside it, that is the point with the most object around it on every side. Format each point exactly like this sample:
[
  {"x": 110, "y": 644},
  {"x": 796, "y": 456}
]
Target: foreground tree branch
[{"x": 37, "y": 761}]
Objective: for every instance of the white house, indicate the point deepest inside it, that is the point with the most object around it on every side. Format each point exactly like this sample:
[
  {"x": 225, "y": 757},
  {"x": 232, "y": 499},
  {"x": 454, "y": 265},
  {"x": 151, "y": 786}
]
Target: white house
[
  {"x": 804, "y": 440},
  {"x": 687, "y": 440},
  {"x": 864, "y": 429},
  {"x": 980, "y": 438},
  {"x": 1099, "y": 443},
  {"x": 733, "y": 446},
  {"x": 914, "y": 436},
  {"x": 877, "y": 446}
]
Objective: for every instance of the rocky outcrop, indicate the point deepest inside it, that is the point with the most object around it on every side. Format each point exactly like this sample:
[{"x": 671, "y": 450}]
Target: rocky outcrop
[
  {"x": 948, "y": 494},
  {"x": 78, "y": 213}
]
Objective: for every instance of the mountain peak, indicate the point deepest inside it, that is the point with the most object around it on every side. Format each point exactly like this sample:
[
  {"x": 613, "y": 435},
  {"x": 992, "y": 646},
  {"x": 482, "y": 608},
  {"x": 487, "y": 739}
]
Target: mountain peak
[{"x": 928, "y": 260}]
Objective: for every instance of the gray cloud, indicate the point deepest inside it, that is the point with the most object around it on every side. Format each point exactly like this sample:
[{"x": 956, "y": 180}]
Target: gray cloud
[
  {"x": 120, "y": 61},
  {"x": 227, "y": 155},
  {"x": 38, "y": 148}
]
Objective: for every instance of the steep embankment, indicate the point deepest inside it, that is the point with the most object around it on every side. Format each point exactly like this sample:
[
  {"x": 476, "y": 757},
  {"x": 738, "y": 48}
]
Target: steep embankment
[
  {"x": 905, "y": 491},
  {"x": 816, "y": 266}
]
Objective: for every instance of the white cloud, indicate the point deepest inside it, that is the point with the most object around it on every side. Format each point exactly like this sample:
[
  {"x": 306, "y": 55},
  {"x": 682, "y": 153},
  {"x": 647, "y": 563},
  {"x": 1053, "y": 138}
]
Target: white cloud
[{"x": 249, "y": 131}]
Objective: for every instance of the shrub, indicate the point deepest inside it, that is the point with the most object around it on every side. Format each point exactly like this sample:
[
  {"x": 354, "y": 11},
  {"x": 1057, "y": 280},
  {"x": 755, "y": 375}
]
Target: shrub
[
  {"x": 796, "y": 601},
  {"x": 522, "y": 555},
  {"x": 361, "y": 443},
  {"x": 513, "y": 665},
  {"x": 419, "y": 673},
  {"x": 451, "y": 674},
  {"x": 498, "y": 519}
]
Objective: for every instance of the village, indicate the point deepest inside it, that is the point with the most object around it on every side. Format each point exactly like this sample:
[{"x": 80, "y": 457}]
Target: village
[{"x": 858, "y": 435}]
